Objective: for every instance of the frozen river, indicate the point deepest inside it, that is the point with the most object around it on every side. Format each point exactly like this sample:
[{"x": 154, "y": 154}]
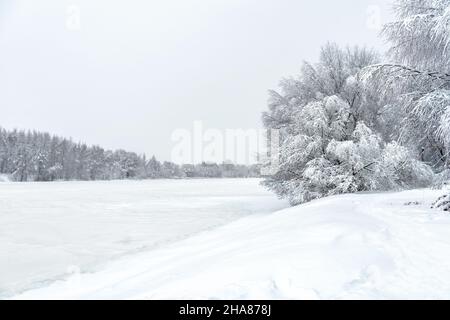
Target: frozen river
[{"x": 51, "y": 230}]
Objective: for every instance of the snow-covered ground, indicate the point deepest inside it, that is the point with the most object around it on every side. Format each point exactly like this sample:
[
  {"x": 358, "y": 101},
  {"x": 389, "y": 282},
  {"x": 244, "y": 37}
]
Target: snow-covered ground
[
  {"x": 382, "y": 246},
  {"x": 51, "y": 230}
]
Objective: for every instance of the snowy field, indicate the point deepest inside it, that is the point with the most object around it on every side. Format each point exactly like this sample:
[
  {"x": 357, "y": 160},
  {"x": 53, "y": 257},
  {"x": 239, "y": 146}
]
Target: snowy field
[
  {"x": 51, "y": 230},
  {"x": 381, "y": 246}
]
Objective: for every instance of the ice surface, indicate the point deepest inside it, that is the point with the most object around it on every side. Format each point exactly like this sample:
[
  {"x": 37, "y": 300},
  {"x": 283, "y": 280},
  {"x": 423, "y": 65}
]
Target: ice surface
[
  {"x": 362, "y": 246},
  {"x": 51, "y": 230}
]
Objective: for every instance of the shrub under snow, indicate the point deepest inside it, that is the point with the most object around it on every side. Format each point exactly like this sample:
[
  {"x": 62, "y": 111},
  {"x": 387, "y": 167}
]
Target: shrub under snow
[{"x": 443, "y": 203}]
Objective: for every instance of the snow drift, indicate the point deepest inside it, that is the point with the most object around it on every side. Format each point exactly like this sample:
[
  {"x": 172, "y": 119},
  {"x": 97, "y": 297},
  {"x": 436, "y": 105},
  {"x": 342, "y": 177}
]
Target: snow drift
[{"x": 380, "y": 246}]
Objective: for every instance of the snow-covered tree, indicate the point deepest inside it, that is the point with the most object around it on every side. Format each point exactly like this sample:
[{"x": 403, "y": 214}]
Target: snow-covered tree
[
  {"x": 334, "y": 136},
  {"x": 420, "y": 74},
  {"x": 154, "y": 168},
  {"x": 328, "y": 157},
  {"x": 35, "y": 156},
  {"x": 171, "y": 170}
]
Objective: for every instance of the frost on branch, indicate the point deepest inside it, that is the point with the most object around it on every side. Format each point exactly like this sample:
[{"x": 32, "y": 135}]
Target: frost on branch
[{"x": 420, "y": 36}]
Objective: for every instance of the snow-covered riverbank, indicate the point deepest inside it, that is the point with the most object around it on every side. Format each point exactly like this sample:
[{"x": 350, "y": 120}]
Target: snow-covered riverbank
[
  {"x": 385, "y": 245},
  {"x": 51, "y": 230}
]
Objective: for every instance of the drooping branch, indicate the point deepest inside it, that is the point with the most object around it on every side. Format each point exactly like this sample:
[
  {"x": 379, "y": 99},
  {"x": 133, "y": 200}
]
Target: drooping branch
[{"x": 405, "y": 71}]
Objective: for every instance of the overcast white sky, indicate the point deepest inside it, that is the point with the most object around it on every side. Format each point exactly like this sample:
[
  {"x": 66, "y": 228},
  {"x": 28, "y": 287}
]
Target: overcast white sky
[{"x": 138, "y": 69}]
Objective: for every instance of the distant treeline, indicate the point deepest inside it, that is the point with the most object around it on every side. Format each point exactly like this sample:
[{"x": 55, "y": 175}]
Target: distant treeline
[{"x": 36, "y": 156}]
